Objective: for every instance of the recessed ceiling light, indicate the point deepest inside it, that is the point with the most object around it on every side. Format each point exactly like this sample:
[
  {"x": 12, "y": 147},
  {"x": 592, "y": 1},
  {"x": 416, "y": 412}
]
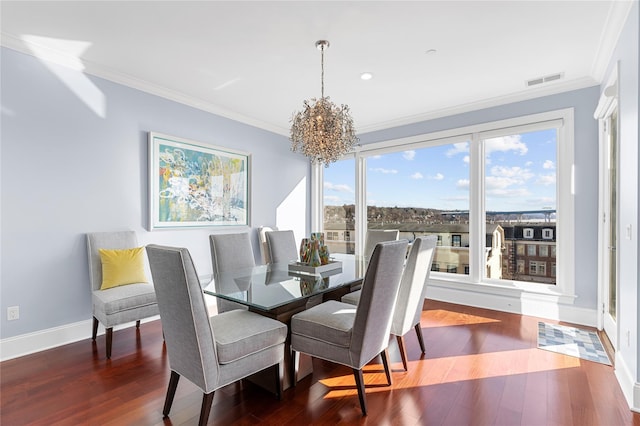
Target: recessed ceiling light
[{"x": 366, "y": 76}]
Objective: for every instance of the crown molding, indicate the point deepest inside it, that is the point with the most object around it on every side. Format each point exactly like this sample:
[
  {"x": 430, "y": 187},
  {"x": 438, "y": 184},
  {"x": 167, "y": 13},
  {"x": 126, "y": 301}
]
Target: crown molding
[
  {"x": 552, "y": 89},
  {"x": 63, "y": 59},
  {"x": 617, "y": 17}
]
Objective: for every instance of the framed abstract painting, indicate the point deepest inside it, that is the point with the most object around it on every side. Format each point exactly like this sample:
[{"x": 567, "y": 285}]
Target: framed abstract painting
[{"x": 192, "y": 184}]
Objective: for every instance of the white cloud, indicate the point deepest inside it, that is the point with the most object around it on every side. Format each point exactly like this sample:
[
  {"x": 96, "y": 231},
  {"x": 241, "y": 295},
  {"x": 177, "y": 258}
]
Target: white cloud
[
  {"x": 528, "y": 164},
  {"x": 499, "y": 182},
  {"x": 409, "y": 155},
  {"x": 505, "y": 144},
  {"x": 462, "y": 183},
  {"x": 338, "y": 187},
  {"x": 515, "y": 173},
  {"x": 550, "y": 165},
  {"x": 546, "y": 180},
  {"x": 458, "y": 148},
  {"x": 384, "y": 171},
  {"x": 438, "y": 176},
  {"x": 417, "y": 175},
  {"x": 466, "y": 159}
]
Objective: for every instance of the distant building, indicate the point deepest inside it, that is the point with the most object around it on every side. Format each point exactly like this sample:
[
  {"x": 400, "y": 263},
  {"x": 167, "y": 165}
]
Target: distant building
[
  {"x": 530, "y": 253},
  {"x": 519, "y": 252}
]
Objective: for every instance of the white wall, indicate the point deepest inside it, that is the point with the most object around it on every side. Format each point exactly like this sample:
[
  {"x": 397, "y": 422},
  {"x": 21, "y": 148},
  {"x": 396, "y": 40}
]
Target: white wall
[
  {"x": 74, "y": 160},
  {"x": 626, "y": 56}
]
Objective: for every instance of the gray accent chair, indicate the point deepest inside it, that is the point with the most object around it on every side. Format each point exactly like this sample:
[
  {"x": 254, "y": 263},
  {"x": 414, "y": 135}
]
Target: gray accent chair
[
  {"x": 413, "y": 288},
  {"x": 262, "y": 236},
  {"x": 281, "y": 246},
  {"x": 211, "y": 352},
  {"x": 353, "y": 335},
  {"x": 375, "y": 236},
  {"x": 229, "y": 252},
  {"x": 116, "y": 305}
]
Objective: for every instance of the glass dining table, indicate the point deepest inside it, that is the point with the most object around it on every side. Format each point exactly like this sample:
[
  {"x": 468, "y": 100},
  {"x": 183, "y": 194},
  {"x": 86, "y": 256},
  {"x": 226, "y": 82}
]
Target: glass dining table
[{"x": 279, "y": 291}]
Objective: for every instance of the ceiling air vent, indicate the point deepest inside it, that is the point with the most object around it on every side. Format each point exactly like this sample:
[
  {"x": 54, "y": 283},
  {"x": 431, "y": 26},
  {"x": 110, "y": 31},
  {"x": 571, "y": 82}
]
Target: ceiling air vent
[{"x": 546, "y": 79}]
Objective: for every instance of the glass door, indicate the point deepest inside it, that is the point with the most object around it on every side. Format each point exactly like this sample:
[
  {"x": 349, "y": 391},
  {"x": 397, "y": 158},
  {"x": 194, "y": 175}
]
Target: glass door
[{"x": 611, "y": 229}]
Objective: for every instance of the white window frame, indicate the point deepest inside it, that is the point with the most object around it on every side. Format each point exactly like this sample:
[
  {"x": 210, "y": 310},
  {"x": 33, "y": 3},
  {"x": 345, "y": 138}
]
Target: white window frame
[
  {"x": 527, "y": 233},
  {"x": 562, "y": 120}
]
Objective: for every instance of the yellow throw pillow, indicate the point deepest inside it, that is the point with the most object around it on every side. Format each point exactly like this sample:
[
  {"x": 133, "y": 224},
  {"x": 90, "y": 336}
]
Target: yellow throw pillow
[{"x": 121, "y": 267}]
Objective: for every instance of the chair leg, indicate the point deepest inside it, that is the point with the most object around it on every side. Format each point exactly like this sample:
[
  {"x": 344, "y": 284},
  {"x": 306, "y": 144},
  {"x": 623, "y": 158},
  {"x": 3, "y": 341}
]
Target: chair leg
[
  {"x": 360, "y": 385},
  {"x": 385, "y": 361},
  {"x": 403, "y": 353},
  {"x": 94, "y": 333},
  {"x": 109, "y": 335},
  {"x": 420, "y": 338},
  {"x": 138, "y": 324},
  {"x": 171, "y": 392},
  {"x": 278, "y": 376},
  {"x": 207, "y": 400},
  {"x": 295, "y": 363}
]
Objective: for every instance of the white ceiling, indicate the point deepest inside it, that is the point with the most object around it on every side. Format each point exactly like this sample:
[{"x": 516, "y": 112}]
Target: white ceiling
[{"x": 256, "y": 62}]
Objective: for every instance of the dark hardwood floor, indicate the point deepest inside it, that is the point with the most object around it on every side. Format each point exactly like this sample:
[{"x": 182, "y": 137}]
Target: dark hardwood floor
[{"x": 481, "y": 368}]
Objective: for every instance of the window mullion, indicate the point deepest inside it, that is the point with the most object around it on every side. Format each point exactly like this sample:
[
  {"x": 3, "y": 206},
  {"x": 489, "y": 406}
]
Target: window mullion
[
  {"x": 476, "y": 209},
  {"x": 361, "y": 203}
]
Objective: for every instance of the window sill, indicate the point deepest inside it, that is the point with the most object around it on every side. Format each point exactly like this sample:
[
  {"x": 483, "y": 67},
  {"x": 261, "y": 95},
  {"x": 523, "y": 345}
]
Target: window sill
[{"x": 504, "y": 288}]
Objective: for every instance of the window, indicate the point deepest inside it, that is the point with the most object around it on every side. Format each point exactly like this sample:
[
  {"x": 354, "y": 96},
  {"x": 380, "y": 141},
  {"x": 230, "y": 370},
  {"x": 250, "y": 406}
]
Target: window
[
  {"x": 472, "y": 186},
  {"x": 537, "y": 268},
  {"x": 422, "y": 190},
  {"x": 553, "y": 269},
  {"x": 543, "y": 251},
  {"x": 339, "y": 205},
  {"x": 435, "y": 266}
]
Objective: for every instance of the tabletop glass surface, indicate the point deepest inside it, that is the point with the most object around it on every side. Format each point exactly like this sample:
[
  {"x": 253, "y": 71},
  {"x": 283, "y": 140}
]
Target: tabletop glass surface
[{"x": 270, "y": 286}]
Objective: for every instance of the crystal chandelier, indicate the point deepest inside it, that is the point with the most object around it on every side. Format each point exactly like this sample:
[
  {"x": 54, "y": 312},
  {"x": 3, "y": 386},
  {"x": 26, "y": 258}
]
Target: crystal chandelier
[{"x": 323, "y": 131}]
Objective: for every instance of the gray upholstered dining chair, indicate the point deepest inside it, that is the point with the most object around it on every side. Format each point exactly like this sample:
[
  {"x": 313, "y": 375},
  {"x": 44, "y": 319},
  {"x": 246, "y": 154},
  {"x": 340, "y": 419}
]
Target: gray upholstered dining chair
[
  {"x": 211, "y": 352},
  {"x": 281, "y": 246},
  {"x": 411, "y": 294},
  {"x": 122, "y": 302},
  {"x": 353, "y": 335},
  {"x": 375, "y": 236},
  {"x": 229, "y": 252},
  {"x": 262, "y": 237}
]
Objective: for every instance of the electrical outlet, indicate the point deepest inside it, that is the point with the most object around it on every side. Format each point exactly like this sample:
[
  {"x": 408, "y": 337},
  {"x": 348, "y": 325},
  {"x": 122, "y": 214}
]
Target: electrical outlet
[{"x": 13, "y": 313}]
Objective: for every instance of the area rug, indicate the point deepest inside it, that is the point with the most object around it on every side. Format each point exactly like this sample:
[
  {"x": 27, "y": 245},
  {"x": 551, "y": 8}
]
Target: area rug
[{"x": 571, "y": 341}]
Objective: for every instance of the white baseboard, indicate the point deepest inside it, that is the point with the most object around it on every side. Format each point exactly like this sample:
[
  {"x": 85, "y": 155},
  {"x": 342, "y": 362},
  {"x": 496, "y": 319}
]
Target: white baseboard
[
  {"x": 25, "y": 344},
  {"x": 630, "y": 387},
  {"x": 537, "y": 305}
]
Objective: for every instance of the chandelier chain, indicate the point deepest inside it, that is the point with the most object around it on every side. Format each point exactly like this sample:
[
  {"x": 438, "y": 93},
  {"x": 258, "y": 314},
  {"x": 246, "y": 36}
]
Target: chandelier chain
[{"x": 322, "y": 71}]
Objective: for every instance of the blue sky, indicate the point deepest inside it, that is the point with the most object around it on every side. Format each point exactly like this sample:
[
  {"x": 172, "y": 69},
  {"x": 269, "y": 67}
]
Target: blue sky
[{"x": 520, "y": 174}]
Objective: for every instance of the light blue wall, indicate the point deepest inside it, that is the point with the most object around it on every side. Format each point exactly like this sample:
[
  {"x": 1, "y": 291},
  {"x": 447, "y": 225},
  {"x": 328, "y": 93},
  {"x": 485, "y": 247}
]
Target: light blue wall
[
  {"x": 584, "y": 103},
  {"x": 70, "y": 166}
]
